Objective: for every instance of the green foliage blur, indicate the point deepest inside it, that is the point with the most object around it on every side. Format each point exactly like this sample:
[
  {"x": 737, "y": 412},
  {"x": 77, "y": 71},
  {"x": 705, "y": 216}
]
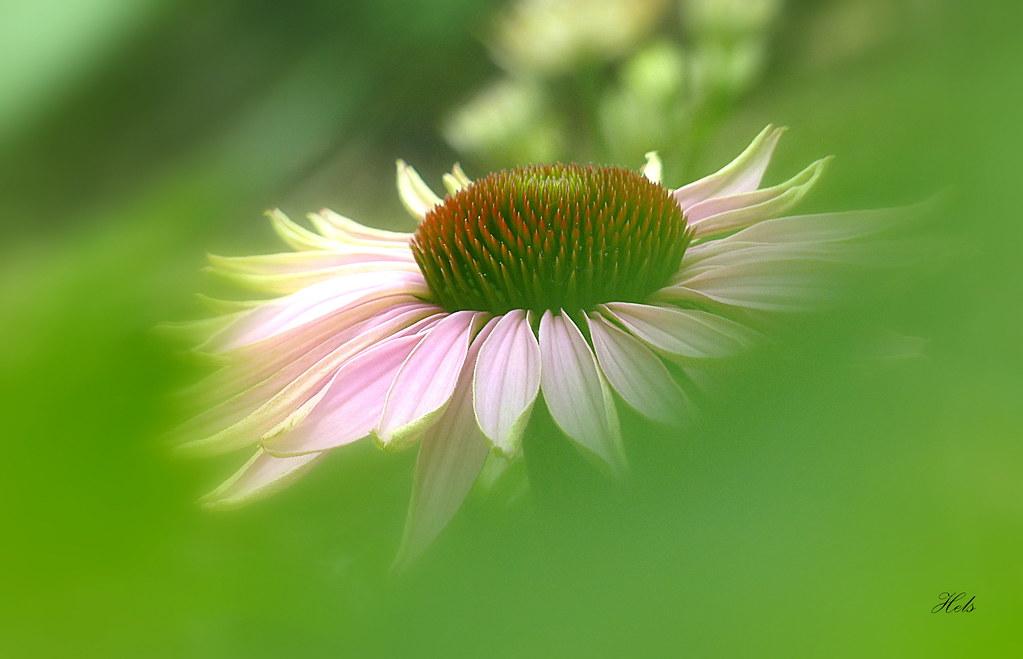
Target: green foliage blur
[{"x": 816, "y": 509}]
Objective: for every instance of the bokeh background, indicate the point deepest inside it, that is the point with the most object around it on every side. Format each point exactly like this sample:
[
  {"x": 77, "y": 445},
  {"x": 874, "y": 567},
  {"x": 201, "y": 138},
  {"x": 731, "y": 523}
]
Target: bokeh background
[{"x": 832, "y": 489}]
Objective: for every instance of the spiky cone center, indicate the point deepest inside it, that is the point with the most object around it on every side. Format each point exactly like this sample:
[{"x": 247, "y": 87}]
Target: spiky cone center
[{"x": 551, "y": 237}]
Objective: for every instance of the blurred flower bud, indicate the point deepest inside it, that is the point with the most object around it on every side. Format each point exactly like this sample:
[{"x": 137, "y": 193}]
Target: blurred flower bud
[
  {"x": 656, "y": 72},
  {"x": 647, "y": 108},
  {"x": 727, "y": 69},
  {"x": 732, "y": 17},
  {"x": 506, "y": 124},
  {"x": 554, "y": 36}
]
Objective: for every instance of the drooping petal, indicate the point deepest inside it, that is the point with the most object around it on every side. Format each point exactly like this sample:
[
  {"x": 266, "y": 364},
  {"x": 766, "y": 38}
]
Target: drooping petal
[
  {"x": 721, "y": 215},
  {"x": 653, "y": 169},
  {"x": 417, "y": 197},
  {"x": 507, "y": 381},
  {"x": 451, "y": 455},
  {"x": 741, "y": 175},
  {"x": 352, "y": 404},
  {"x": 425, "y": 382},
  {"x": 688, "y": 333},
  {"x": 636, "y": 373},
  {"x": 260, "y": 476},
  {"x": 575, "y": 390}
]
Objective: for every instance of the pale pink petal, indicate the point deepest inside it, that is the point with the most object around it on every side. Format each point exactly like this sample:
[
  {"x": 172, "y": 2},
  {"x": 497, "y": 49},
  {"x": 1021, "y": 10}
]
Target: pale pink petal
[
  {"x": 290, "y": 405},
  {"x": 734, "y": 253},
  {"x": 311, "y": 304},
  {"x": 287, "y": 359},
  {"x": 786, "y": 264},
  {"x": 821, "y": 228},
  {"x": 828, "y": 237},
  {"x": 263, "y": 474},
  {"x": 424, "y": 384},
  {"x": 688, "y": 333},
  {"x": 760, "y": 284},
  {"x": 721, "y": 215},
  {"x": 636, "y": 373},
  {"x": 352, "y": 404},
  {"x": 741, "y": 175},
  {"x": 451, "y": 455},
  {"x": 575, "y": 391},
  {"x": 507, "y": 381}
]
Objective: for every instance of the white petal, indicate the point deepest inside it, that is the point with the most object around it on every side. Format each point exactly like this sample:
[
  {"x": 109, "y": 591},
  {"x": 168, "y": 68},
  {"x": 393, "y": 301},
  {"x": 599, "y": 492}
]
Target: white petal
[
  {"x": 653, "y": 168},
  {"x": 741, "y": 175},
  {"x": 291, "y": 282},
  {"x": 460, "y": 175},
  {"x": 456, "y": 180},
  {"x": 417, "y": 197},
  {"x": 636, "y": 373},
  {"x": 507, "y": 381},
  {"x": 311, "y": 260},
  {"x": 295, "y": 236},
  {"x": 347, "y": 232},
  {"x": 575, "y": 391}
]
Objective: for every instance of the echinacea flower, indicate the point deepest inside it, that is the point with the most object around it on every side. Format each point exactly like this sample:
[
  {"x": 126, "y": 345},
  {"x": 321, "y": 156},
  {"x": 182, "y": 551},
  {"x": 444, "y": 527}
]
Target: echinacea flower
[{"x": 587, "y": 286}]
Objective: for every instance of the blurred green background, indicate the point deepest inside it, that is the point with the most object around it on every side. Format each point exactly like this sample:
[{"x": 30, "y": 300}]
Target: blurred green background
[{"x": 816, "y": 509}]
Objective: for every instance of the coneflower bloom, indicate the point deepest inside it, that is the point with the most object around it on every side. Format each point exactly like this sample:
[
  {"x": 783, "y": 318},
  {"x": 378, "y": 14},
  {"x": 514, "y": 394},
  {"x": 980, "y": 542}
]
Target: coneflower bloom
[{"x": 587, "y": 286}]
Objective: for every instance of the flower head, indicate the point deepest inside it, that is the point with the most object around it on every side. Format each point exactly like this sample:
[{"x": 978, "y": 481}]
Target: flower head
[
  {"x": 574, "y": 283},
  {"x": 550, "y": 237}
]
